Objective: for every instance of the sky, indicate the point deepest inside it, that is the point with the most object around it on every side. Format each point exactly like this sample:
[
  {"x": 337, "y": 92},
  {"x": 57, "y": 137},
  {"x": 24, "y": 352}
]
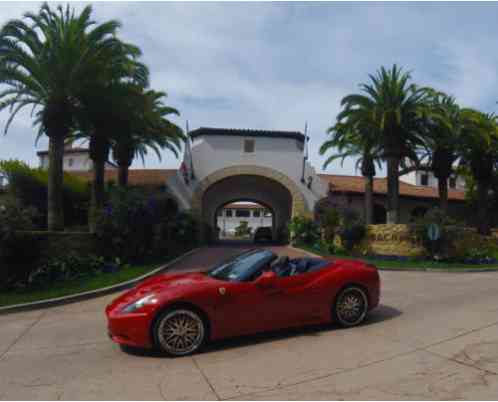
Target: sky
[{"x": 277, "y": 65}]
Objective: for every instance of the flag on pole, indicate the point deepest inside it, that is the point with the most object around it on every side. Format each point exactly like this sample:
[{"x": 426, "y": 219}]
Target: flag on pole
[
  {"x": 191, "y": 167},
  {"x": 306, "y": 141},
  {"x": 187, "y": 166},
  {"x": 305, "y": 151}
]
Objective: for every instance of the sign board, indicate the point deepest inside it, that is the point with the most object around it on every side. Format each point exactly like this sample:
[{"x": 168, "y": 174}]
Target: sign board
[{"x": 434, "y": 232}]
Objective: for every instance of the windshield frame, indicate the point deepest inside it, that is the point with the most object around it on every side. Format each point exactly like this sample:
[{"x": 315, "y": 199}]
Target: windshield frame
[{"x": 223, "y": 270}]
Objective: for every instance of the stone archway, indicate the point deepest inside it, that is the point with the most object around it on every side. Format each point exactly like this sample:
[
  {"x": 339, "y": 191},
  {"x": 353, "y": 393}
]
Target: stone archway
[{"x": 247, "y": 182}]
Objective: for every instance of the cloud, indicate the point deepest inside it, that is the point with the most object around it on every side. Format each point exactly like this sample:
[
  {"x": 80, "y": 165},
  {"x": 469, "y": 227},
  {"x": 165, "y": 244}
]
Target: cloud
[{"x": 276, "y": 65}]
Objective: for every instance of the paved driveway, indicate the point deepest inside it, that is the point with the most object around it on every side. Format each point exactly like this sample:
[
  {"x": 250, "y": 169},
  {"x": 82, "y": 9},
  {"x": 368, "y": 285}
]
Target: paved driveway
[{"x": 435, "y": 336}]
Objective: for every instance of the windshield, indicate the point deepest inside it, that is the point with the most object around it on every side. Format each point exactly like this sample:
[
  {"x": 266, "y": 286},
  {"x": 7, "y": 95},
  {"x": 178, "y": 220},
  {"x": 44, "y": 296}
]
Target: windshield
[{"x": 243, "y": 267}]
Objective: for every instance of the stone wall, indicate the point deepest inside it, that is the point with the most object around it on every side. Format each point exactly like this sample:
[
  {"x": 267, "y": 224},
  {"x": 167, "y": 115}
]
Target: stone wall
[
  {"x": 398, "y": 239},
  {"x": 403, "y": 240}
]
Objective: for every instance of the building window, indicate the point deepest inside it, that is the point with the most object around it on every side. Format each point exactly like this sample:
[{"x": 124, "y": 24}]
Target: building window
[
  {"x": 228, "y": 213},
  {"x": 70, "y": 162},
  {"x": 424, "y": 180},
  {"x": 256, "y": 213},
  {"x": 242, "y": 213},
  {"x": 248, "y": 146},
  {"x": 452, "y": 182}
]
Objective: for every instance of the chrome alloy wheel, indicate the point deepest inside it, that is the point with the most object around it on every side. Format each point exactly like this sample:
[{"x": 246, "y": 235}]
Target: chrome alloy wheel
[
  {"x": 180, "y": 332},
  {"x": 351, "y": 306}
]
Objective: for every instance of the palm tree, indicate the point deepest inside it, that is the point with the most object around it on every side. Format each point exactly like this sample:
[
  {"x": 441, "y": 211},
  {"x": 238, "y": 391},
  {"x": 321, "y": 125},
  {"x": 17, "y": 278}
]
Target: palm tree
[
  {"x": 395, "y": 108},
  {"x": 46, "y": 59},
  {"x": 479, "y": 150},
  {"x": 355, "y": 140},
  {"x": 147, "y": 127},
  {"x": 444, "y": 126},
  {"x": 103, "y": 110}
]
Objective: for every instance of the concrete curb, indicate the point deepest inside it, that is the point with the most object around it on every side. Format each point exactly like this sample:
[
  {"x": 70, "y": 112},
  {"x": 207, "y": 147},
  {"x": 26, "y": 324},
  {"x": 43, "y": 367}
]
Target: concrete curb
[
  {"x": 91, "y": 294},
  {"x": 455, "y": 270}
]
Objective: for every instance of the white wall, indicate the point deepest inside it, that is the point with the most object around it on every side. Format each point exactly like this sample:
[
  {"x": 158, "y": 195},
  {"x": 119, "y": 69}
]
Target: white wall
[
  {"x": 415, "y": 178},
  {"x": 211, "y": 153},
  {"x": 73, "y": 162},
  {"x": 227, "y": 224}
]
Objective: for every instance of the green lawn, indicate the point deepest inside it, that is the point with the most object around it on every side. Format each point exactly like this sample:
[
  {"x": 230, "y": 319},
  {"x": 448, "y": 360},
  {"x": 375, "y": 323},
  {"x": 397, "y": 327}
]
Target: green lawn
[
  {"x": 414, "y": 264},
  {"x": 77, "y": 286}
]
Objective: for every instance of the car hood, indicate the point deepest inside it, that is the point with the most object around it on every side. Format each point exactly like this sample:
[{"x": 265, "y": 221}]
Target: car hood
[
  {"x": 164, "y": 285},
  {"x": 170, "y": 281}
]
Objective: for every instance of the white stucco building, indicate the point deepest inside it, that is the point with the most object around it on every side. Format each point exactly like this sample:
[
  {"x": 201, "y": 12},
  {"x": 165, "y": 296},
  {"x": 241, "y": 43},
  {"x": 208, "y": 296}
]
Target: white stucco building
[
  {"x": 427, "y": 179},
  {"x": 224, "y": 166},
  {"x": 228, "y": 165},
  {"x": 232, "y": 215},
  {"x": 268, "y": 167},
  {"x": 76, "y": 159}
]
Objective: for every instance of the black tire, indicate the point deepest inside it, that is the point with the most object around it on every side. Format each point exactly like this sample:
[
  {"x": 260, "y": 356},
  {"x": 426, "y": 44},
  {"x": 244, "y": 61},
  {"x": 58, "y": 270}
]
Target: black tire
[
  {"x": 180, "y": 331},
  {"x": 350, "y": 307}
]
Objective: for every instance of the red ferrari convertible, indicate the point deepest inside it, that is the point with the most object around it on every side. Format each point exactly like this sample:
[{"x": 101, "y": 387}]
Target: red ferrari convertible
[{"x": 252, "y": 292}]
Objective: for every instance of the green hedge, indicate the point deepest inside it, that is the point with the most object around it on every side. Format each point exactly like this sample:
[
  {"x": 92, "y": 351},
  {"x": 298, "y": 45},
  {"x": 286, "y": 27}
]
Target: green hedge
[{"x": 29, "y": 186}]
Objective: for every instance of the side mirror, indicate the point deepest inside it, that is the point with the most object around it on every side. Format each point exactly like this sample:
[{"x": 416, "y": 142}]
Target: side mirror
[{"x": 266, "y": 279}]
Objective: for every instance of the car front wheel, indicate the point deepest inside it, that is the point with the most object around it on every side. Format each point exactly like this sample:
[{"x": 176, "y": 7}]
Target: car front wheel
[
  {"x": 179, "y": 332},
  {"x": 351, "y": 306}
]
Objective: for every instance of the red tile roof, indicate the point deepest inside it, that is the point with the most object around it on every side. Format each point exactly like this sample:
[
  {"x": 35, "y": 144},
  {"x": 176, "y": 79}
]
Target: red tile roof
[
  {"x": 242, "y": 205},
  {"x": 136, "y": 177},
  {"x": 356, "y": 184},
  {"x": 336, "y": 183},
  {"x": 296, "y": 135}
]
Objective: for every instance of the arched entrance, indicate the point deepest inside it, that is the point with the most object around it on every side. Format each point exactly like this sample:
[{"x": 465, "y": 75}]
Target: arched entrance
[
  {"x": 262, "y": 185},
  {"x": 238, "y": 220}
]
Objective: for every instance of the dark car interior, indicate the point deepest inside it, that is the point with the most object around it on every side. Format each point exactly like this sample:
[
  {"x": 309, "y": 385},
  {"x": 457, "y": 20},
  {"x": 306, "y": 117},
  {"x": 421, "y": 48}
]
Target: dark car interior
[
  {"x": 284, "y": 266},
  {"x": 250, "y": 265}
]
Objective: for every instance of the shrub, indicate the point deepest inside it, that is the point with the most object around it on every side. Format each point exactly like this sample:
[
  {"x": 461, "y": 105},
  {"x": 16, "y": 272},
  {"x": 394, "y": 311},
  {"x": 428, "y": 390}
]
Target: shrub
[
  {"x": 19, "y": 252},
  {"x": 303, "y": 230},
  {"x": 126, "y": 225},
  {"x": 29, "y": 186},
  {"x": 470, "y": 247},
  {"x": 183, "y": 229},
  {"x": 66, "y": 267},
  {"x": 243, "y": 229},
  {"x": 449, "y": 232},
  {"x": 329, "y": 224},
  {"x": 352, "y": 229}
]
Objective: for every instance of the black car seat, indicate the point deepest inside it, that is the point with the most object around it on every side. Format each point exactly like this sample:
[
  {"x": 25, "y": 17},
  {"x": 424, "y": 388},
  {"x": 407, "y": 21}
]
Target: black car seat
[
  {"x": 302, "y": 266},
  {"x": 281, "y": 266}
]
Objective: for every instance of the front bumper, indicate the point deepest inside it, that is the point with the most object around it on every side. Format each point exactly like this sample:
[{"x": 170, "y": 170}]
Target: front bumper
[{"x": 130, "y": 329}]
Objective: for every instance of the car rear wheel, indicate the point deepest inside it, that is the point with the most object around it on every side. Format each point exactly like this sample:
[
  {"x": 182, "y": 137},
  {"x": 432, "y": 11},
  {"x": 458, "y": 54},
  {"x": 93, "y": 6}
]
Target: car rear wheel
[
  {"x": 351, "y": 306},
  {"x": 179, "y": 332}
]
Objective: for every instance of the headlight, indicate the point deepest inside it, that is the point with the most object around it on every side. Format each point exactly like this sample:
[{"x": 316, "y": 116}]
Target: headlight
[{"x": 144, "y": 301}]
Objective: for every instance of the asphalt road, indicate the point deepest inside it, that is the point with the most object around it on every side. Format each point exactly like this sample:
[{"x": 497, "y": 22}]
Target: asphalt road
[{"x": 435, "y": 336}]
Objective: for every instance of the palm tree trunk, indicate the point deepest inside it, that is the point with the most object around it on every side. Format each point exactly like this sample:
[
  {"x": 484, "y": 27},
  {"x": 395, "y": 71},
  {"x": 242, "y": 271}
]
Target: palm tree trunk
[
  {"x": 123, "y": 175},
  {"x": 55, "y": 210},
  {"x": 369, "y": 199},
  {"x": 443, "y": 194},
  {"x": 99, "y": 152},
  {"x": 482, "y": 209},
  {"x": 392, "y": 190},
  {"x": 98, "y": 196}
]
